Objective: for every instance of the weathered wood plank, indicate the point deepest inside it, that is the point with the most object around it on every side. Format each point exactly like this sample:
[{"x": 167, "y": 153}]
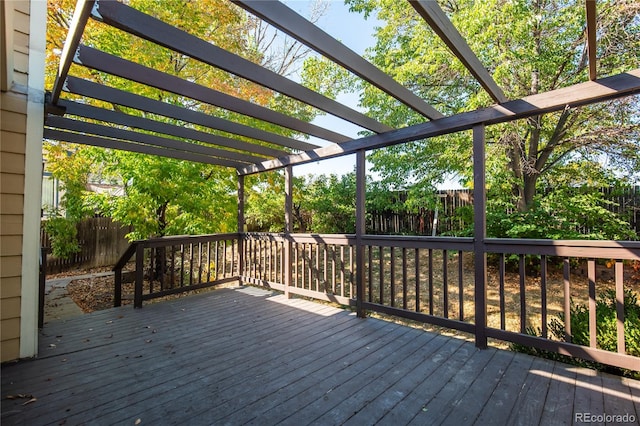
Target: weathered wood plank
[
  {"x": 249, "y": 356},
  {"x": 558, "y": 407},
  {"x": 498, "y": 407},
  {"x": 531, "y": 399},
  {"x": 469, "y": 401},
  {"x": 589, "y": 397}
]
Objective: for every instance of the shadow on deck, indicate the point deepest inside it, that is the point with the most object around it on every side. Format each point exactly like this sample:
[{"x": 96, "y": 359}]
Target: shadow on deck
[{"x": 248, "y": 356}]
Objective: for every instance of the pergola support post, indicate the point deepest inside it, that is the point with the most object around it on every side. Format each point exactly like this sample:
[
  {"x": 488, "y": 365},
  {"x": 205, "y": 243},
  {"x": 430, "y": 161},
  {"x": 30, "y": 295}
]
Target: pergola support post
[
  {"x": 240, "y": 228},
  {"x": 480, "y": 234},
  {"x": 288, "y": 227},
  {"x": 361, "y": 185}
]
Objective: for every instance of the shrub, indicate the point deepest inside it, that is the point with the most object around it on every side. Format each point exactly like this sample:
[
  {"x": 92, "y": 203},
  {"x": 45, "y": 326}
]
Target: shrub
[
  {"x": 63, "y": 236},
  {"x": 606, "y": 333}
]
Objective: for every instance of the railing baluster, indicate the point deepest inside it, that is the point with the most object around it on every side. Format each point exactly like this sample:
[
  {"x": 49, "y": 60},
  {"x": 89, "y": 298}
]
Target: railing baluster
[
  {"x": 199, "y": 263},
  {"x": 619, "y": 274},
  {"x": 181, "y": 265},
  {"x": 191, "y": 264},
  {"x": 502, "y": 272},
  {"x": 152, "y": 270},
  {"x": 566, "y": 271},
  {"x": 224, "y": 259},
  {"x": 325, "y": 281},
  {"x": 173, "y": 267},
  {"x": 591, "y": 272},
  {"x": 430, "y": 281},
  {"x": 445, "y": 282},
  {"x": 208, "y": 261},
  {"x": 333, "y": 269},
  {"x": 295, "y": 265},
  {"x": 543, "y": 294},
  {"x": 370, "y": 273},
  {"x": 460, "y": 287},
  {"x": 342, "y": 271},
  {"x": 310, "y": 267},
  {"x": 416, "y": 256},
  {"x": 523, "y": 297},
  {"x": 352, "y": 275},
  {"x": 137, "y": 293},
  {"x": 381, "y": 277},
  {"x": 317, "y": 271},
  {"x": 392, "y": 282},
  {"x": 404, "y": 278}
]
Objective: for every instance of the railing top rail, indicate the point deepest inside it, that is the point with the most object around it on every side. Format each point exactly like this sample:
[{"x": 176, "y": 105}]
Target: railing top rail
[
  {"x": 168, "y": 241},
  {"x": 126, "y": 256},
  {"x": 629, "y": 250},
  {"x": 186, "y": 239},
  {"x": 564, "y": 243}
]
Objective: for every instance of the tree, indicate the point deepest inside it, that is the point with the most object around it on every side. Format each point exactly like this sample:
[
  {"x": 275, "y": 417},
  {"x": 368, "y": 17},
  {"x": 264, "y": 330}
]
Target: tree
[
  {"x": 166, "y": 196},
  {"x": 528, "y": 47}
]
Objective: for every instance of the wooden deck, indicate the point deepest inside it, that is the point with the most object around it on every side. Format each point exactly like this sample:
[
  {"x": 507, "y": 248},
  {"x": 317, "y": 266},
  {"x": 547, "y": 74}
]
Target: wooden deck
[{"x": 247, "y": 356}]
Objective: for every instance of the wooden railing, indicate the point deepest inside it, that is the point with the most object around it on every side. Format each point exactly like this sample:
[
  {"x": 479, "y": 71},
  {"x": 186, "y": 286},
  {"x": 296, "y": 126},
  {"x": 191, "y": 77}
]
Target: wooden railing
[
  {"x": 320, "y": 266},
  {"x": 529, "y": 283},
  {"x": 526, "y": 297},
  {"x": 177, "y": 264}
]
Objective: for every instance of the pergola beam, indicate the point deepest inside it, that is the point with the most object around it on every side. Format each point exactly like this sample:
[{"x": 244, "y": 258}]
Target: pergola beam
[
  {"x": 590, "y": 6},
  {"x": 114, "y": 117},
  {"x": 78, "y": 22},
  {"x": 90, "y": 89},
  {"x": 442, "y": 26},
  {"x": 590, "y": 92},
  {"x": 288, "y": 21},
  {"x": 142, "y": 25},
  {"x": 101, "y": 61},
  {"x": 226, "y": 158},
  {"x": 64, "y": 136}
]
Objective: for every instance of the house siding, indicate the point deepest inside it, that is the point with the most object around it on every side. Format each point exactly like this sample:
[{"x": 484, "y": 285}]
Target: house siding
[{"x": 20, "y": 162}]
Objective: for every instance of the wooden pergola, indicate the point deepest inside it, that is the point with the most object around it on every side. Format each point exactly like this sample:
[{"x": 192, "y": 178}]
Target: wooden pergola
[{"x": 282, "y": 152}]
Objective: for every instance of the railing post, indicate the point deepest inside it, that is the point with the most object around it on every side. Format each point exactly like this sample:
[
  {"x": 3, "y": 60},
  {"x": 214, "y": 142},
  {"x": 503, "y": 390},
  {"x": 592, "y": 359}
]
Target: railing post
[
  {"x": 480, "y": 234},
  {"x": 117, "y": 290},
  {"x": 137, "y": 295},
  {"x": 288, "y": 227},
  {"x": 360, "y": 230}
]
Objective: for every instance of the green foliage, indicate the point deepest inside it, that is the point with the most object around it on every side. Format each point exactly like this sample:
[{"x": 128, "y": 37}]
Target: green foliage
[
  {"x": 562, "y": 213},
  {"x": 528, "y": 48},
  {"x": 606, "y": 332},
  {"x": 164, "y": 196},
  {"x": 332, "y": 199},
  {"x": 63, "y": 234}
]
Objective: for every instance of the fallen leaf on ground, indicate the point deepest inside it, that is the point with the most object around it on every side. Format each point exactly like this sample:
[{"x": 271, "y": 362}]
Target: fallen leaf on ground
[{"x": 30, "y": 401}]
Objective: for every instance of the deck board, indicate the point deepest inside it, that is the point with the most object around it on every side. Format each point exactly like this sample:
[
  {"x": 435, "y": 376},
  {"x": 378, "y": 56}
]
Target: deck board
[{"x": 249, "y": 356}]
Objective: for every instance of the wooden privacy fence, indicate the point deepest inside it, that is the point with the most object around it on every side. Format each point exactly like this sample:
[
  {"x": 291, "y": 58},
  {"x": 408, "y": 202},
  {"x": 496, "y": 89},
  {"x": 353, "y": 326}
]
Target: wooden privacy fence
[
  {"x": 449, "y": 219},
  {"x": 101, "y": 241},
  {"x": 528, "y": 296}
]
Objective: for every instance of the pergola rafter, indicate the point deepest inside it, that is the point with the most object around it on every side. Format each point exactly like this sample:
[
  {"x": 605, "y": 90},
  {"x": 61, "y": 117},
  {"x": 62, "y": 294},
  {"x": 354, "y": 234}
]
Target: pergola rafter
[
  {"x": 132, "y": 21},
  {"x": 93, "y": 90},
  {"x": 266, "y": 150},
  {"x": 438, "y": 21},
  {"x": 285, "y": 19},
  {"x": 590, "y": 92}
]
